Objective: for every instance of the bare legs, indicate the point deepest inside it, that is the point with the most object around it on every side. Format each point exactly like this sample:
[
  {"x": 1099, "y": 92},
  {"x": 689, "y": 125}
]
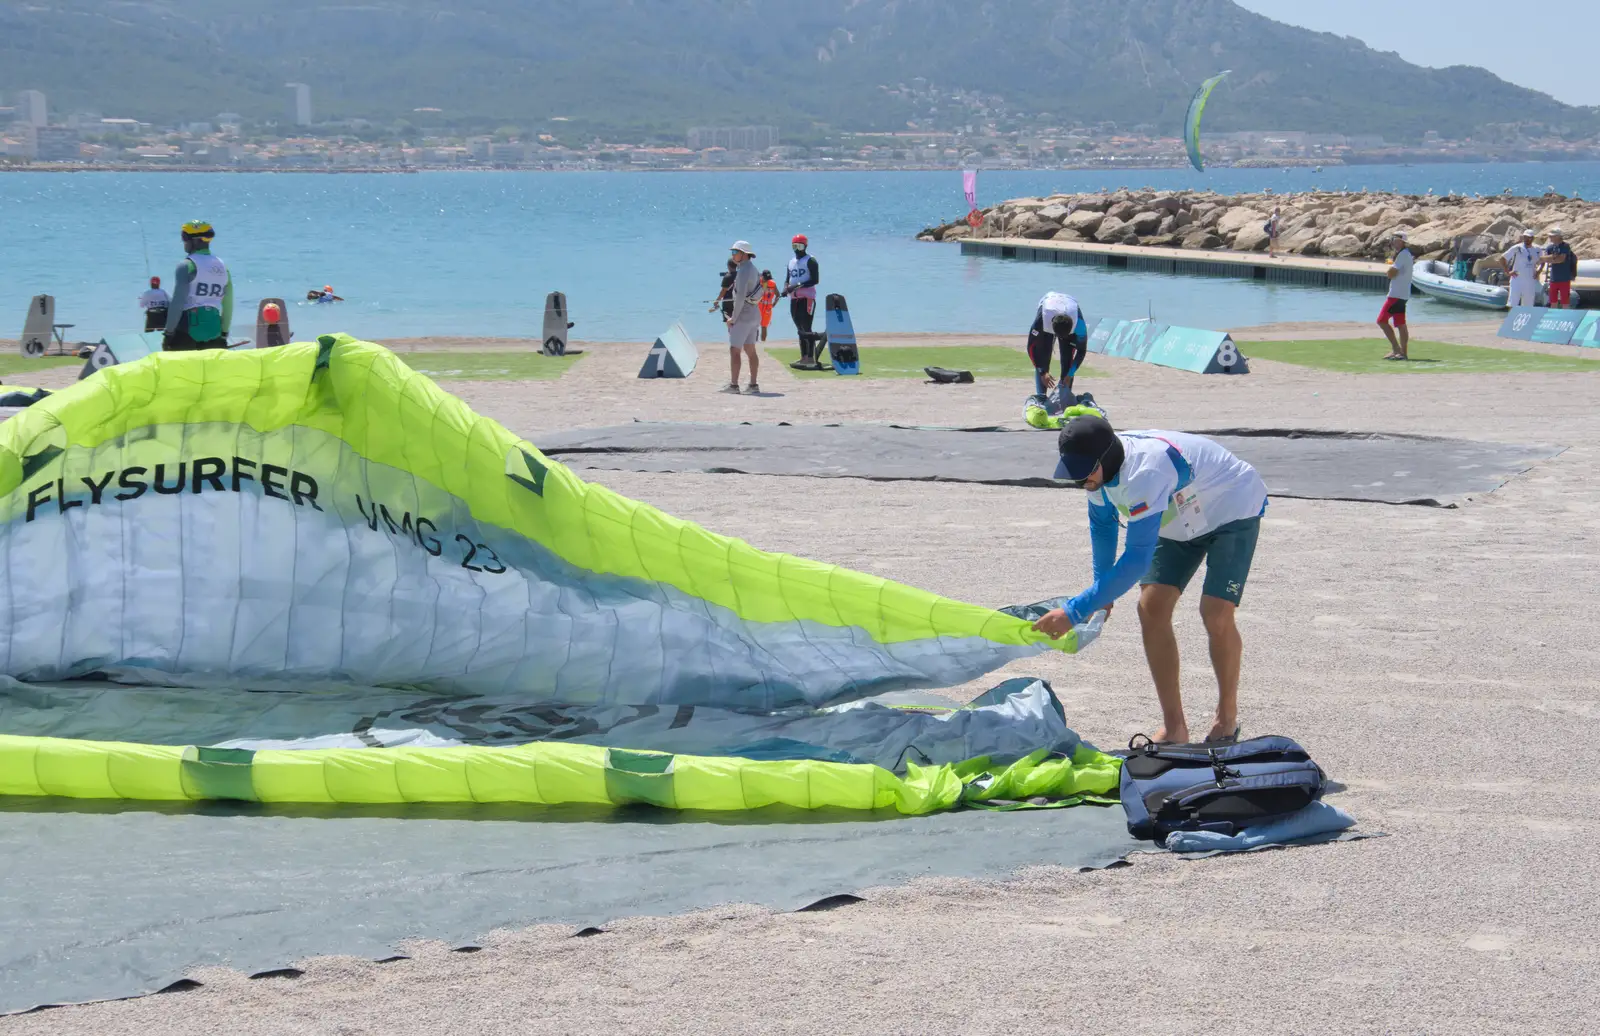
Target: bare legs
[
  {"x": 1227, "y": 647},
  {"x": 1156, "y": 605},
  {"x": 1399, "y": 338}
]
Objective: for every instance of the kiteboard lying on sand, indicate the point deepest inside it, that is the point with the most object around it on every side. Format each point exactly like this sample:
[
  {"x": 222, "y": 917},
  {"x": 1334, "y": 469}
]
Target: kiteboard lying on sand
[
  {"x": 841, "y": 337},
  {"x": 556, "y": 326}
]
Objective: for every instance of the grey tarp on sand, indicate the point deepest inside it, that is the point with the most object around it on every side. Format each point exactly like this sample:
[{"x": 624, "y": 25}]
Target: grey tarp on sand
[
  {"x": 1376, "y": 467},
  {"x": 98, "y": 905}
]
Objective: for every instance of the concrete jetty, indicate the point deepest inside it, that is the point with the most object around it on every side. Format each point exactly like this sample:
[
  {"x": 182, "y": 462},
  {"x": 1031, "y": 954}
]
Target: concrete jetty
[
  {"x": 1356, "y": 274},
  {"x": 1353, "y": 274}
]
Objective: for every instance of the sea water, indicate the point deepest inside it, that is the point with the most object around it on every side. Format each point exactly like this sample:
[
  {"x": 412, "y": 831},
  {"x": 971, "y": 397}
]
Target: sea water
[{"x": 474, "y": 253}]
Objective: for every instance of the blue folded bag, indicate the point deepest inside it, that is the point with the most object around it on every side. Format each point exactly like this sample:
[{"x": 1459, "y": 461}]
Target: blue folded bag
[
  {"x": 1318, "y": 821},
  {"x": 1215, "y": 787}
]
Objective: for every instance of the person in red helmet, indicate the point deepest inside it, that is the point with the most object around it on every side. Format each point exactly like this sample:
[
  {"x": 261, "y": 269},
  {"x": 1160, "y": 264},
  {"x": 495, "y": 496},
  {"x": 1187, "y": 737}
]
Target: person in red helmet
[
  {"x": 154, "y": 303},
  {"x": 800, "y": 288}
]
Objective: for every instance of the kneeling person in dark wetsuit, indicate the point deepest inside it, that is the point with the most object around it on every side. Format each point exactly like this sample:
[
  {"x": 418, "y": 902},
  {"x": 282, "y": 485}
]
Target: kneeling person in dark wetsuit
[
  {"x": 201, "y": 311},
  {"x": 1059, "y": 317}
]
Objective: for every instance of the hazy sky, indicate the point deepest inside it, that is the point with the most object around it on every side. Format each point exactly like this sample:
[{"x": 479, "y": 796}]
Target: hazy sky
[{"x": 1512, "y": 40}]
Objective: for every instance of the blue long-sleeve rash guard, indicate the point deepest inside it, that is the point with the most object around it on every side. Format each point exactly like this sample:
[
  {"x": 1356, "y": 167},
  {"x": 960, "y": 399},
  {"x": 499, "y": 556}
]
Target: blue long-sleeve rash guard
[{"x": 1114, "y": 576}]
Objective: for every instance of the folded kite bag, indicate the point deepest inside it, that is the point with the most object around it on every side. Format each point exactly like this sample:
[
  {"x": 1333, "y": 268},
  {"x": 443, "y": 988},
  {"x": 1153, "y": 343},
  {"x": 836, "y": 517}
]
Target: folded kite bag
[{"x": 1220, "y": 787}]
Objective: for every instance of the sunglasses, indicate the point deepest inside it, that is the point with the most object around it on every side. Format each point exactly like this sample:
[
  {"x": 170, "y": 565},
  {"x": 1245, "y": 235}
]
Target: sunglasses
[{"x": 1078, "y": 483}]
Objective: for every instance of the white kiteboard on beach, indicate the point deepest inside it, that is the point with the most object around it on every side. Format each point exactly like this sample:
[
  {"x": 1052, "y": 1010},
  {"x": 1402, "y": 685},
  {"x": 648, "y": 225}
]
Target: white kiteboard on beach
[{"x": 556, "y": 326}]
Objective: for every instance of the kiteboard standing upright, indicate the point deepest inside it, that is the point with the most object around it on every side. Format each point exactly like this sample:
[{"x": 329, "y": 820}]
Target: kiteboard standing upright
[
  {"x": 272, "y": 324},
  {"x": 556, "y": 326},
  {"x": 38, "y": 328},
  {"x": 841, "y": 337}
]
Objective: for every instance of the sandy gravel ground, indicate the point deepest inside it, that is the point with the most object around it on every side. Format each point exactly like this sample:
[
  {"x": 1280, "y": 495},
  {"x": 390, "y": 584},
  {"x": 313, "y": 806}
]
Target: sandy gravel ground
[{"x": 1440, "y": 664}]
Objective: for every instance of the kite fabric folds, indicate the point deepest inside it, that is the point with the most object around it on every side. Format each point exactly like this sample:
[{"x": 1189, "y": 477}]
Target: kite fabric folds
[{"x": 320, "y": 513}]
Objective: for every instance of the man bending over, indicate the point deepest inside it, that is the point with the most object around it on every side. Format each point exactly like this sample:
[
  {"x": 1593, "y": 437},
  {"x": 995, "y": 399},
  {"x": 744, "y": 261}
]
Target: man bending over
[
  {"x": 1058, "y": 318},
  {"x": 1185, "y": 499}
]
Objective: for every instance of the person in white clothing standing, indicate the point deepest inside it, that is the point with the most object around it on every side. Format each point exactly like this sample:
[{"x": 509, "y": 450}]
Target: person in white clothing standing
[
  {"x": 1522, "y": 260},
  {"x": 1392, "y": 318},
  {"x": 744, "y": 322}
]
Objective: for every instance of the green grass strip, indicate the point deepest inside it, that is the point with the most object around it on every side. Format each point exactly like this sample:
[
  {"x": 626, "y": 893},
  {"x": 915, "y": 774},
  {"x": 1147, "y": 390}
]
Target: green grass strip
[
  {"x": 12, "y": 364},
  {"x": 984, "y": 361},
  {"x": 1365, "y": 356},
  {"x": 488, "y": 366}
]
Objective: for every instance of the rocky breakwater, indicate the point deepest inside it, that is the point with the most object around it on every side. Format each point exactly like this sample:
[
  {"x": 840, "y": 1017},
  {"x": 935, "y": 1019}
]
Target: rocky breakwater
[{"x": 1319, "y": 223}]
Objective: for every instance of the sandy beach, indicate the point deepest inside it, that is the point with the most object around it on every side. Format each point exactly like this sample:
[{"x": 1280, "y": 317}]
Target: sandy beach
[{"x": 1440, "y": 664}]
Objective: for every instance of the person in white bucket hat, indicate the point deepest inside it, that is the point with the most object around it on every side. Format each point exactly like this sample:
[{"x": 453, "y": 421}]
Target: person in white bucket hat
[{"x": 744, "y": 325}]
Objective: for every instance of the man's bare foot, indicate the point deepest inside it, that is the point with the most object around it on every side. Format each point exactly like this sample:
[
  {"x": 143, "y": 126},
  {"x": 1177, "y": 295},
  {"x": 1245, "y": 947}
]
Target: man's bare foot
[
  {"x": 1179, "y": 736},
  {"x": 1222, "y": 730}
]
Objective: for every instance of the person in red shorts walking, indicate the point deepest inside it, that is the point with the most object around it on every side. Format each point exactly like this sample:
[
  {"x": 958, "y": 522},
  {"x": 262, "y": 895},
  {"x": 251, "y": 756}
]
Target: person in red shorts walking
[
  {"x": 1392, "y": 318},
  {"x": 1563, "y": 265}
]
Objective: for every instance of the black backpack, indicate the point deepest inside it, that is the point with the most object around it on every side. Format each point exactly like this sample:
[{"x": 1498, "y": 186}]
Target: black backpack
[{"x": 1215, "y": 787}]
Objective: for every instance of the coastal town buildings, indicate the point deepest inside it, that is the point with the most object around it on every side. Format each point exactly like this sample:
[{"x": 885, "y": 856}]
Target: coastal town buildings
[{"x": 955, "y": 129}]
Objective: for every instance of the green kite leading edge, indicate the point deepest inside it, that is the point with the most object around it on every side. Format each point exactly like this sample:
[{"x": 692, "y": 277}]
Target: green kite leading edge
[{"x": 1191, "y": 119}]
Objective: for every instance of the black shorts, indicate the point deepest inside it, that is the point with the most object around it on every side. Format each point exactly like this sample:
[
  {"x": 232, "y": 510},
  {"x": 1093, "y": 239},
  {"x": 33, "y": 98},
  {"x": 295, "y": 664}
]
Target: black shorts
[
  {"x": 1393, "y": 310},
  {"x": 180, "y": 342}
]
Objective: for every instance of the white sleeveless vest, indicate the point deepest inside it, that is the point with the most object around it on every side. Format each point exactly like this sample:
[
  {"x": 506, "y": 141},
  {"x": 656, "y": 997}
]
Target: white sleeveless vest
[
  {"x": 799, "y": 278},
  {"x": 210, "y": 282}
]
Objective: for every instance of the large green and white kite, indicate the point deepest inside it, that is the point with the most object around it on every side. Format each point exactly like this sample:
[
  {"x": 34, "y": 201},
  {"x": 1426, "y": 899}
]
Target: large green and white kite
[
  {"x": 1191, "y": 119},
  {"x": 319, "y": 523}
]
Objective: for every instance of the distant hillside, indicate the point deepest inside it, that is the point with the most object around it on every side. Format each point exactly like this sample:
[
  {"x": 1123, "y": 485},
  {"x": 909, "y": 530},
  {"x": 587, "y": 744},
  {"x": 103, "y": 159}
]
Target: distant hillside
[{"x": 663, "y": 65}]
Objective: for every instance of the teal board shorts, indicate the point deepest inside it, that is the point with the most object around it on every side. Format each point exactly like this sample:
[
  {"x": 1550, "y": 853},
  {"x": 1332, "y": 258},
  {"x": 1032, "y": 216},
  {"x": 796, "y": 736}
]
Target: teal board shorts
[{"x": 1227, "y": 551}]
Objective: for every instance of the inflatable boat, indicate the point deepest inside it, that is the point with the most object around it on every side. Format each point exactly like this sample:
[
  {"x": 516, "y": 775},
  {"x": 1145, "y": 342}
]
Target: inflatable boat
[{"x": 1432, "y": 277}]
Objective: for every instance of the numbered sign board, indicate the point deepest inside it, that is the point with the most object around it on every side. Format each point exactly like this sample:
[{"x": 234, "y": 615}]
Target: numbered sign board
[{"x": 1182, "y": 348}]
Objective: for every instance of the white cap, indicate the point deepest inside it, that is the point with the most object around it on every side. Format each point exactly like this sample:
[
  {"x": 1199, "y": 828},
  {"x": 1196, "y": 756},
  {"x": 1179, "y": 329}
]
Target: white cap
[
  {"x": 743, "y": 246},
  {"x": 1553, "y": 232},
  {"x": 1401, "y": 234},
  {"x": 1527, "y": 231}
]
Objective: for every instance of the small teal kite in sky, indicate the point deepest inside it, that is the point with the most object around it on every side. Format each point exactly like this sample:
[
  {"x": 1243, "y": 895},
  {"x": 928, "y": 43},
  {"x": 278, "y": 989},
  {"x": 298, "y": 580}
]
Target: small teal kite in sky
[{"x": 1191, "y": 121}]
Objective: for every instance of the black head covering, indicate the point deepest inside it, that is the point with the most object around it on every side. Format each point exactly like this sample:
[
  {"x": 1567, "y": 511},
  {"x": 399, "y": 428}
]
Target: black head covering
[{"x": 1085, "y": 442}]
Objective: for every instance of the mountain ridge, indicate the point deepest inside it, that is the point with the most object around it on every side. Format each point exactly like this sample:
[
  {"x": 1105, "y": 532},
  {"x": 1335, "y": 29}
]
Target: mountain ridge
[{"x": 659, "y": 66}]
